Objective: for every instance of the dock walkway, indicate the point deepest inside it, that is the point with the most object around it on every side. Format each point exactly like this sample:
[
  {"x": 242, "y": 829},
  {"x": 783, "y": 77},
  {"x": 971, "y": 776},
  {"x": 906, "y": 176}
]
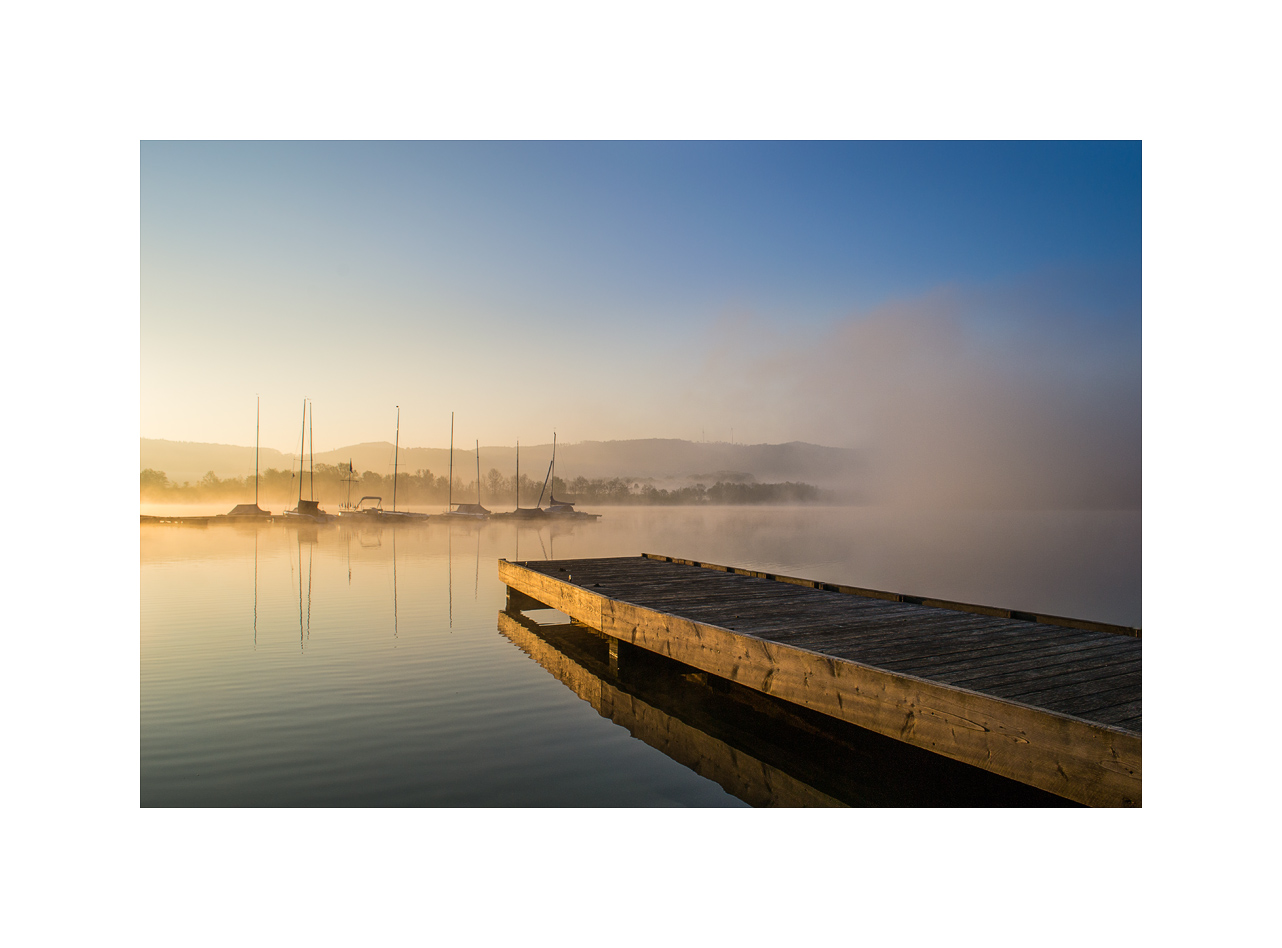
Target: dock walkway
[{"x": 1054, "y": 703}]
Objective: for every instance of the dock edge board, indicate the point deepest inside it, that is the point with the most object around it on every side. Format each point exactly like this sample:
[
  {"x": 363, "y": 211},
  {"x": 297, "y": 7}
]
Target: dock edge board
[{"x": 1073, "y": 758}]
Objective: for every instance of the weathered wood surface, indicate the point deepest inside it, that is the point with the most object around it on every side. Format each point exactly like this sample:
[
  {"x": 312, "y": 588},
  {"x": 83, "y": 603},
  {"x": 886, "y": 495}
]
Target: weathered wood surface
[{"x": 1055, "y": 705}]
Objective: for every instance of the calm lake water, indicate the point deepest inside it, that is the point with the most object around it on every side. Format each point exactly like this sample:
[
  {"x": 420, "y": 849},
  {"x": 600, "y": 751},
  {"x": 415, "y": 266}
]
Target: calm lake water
[{"x": 331, "y": 665}]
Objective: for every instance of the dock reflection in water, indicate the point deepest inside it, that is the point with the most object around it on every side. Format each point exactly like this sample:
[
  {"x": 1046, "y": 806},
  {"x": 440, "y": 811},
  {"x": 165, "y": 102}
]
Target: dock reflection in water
[{"x": 766, "y": 752}]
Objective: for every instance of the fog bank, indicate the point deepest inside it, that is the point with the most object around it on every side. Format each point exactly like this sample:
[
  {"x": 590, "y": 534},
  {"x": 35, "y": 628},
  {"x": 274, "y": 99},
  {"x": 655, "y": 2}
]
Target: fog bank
[{"x": 1025, "y": 396}]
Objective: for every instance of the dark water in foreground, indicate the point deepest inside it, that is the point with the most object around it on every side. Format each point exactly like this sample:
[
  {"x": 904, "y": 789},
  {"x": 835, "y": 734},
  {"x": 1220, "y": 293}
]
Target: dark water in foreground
[{"x": 296, "y": 666}]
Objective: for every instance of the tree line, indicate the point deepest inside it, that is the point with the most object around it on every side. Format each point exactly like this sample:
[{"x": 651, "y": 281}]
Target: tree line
[{"x": 332, "y": 485}]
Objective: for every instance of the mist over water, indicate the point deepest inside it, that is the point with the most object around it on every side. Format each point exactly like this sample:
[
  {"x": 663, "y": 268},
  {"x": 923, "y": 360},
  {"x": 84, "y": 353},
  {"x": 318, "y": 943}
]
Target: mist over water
[{"x": 1024, "y": 395}]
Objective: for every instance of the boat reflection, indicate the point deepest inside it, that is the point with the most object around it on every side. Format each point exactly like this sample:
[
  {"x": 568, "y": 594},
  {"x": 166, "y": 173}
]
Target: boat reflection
[
  {"x": 305, "y": 633},
  {"x": 369, "y": 536},
  {"x": 761, "y": 750}
]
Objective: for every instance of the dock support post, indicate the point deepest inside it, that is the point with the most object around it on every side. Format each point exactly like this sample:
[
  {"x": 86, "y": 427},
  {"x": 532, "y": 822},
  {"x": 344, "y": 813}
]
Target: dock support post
[
  {"x": 614, "y": 656},
  {"x": 518, "y": 601}
]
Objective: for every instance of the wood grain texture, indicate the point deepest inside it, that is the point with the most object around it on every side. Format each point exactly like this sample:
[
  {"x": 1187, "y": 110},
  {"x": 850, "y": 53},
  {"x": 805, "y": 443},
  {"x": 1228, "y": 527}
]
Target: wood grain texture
[{"x": 903, "y": 597}]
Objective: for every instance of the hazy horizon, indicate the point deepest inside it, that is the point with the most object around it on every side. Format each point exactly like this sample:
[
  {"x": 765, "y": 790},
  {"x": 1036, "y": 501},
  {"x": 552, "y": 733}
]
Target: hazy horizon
[{"x": 532, "y": 445}]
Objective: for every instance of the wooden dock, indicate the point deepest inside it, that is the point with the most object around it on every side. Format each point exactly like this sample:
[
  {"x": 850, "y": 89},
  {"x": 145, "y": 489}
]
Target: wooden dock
[{"x": 1052, "y": 702}]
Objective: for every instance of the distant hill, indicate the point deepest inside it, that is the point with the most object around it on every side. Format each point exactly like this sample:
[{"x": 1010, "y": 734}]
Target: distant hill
[
  {"x": 190, "y": 460},
  {"x": 660, "y": 460}
]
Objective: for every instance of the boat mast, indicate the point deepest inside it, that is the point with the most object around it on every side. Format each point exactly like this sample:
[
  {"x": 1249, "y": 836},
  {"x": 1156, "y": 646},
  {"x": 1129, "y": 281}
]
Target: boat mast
[
  {"x": 450, "y": 502},
  {"x": 258, "y": 419},
  {"x": 478, "y": 473},
  {"x": 396, "y": 457},
  {"x": 548, "y": 476},
  {"x": 302, "y": 443},
  {"x": 518, "y": 475},
  {"x": 311, "y": 463}
]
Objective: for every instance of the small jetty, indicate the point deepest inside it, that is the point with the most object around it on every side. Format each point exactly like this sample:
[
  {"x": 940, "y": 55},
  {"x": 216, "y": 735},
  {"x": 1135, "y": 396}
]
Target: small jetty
[{"x": 1048, "y": 701}]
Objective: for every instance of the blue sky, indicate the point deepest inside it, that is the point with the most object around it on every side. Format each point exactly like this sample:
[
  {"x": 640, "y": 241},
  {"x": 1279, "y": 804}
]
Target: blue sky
[{"x": 618, "y": 290}]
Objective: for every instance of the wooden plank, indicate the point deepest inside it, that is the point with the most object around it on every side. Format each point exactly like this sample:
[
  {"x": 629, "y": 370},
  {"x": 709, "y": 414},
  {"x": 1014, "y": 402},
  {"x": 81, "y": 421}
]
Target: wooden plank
[
  {"x": 1088, "y": 705},
  {"x": 949, "y": 650},
  {"x": 1126, "y": 716},
  {"x": 1075, "y": 693},
  {"x": 1106, "y": 680},
  {"x": 1045, "y": 665},
  {"x": 957, "y": 646},
  {"x": 1124, "y": 711},
  {"x": 996, "y": 665},
  {"x": 903, "y": 597}
]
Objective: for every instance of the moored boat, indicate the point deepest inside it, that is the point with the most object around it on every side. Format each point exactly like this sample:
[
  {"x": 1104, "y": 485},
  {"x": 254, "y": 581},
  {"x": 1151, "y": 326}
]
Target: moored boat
[
  {"x": 465, "y": 512},
  {"x": 246, "y": 512},
  {"x": 561, "y": 509},
  {"x": 363, "y": 511},
  {"x": 520, "y": 513},
  {"x": 394, "y": 515},
  {"x": 307, "y": 510},
  {"x": 243, "y": 512}
]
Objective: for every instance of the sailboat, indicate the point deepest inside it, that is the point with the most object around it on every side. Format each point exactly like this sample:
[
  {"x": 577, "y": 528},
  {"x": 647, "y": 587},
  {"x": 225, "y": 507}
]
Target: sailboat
[
  {"x": 252, "y": 511},
  {"x": 520, "y": 513},
  {"x": 308, "y": 510},
  {"x": 394, "y": 514},
  {"x": 563, "y": 509},
  {"x": 472, "y": 512},
  {"x": 475, "y": 511}
]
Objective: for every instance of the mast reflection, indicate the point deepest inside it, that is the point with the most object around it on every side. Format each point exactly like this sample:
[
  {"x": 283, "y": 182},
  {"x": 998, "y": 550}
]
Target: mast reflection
[
  {"x": 305, "y": 631},
  {"x": 369, "y": 536}
]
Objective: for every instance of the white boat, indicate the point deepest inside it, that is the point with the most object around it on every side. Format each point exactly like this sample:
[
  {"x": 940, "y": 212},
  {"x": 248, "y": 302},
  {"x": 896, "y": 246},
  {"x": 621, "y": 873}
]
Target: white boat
[{"x": 361, "y": 510}]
